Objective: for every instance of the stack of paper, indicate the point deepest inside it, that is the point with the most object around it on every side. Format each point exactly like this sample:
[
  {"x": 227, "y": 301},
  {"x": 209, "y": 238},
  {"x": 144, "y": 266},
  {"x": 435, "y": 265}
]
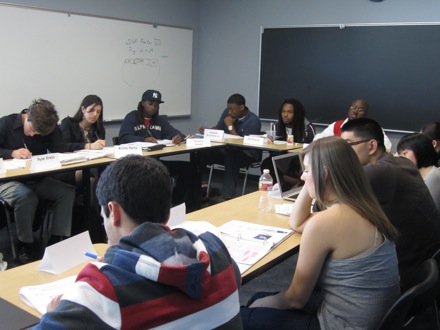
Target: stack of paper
[
  {"x": 248, "y": 242},
  {"x": 39, "y": 296},
  {"x": 67, "y": 159},
  {"x": 94, "y": 154}
]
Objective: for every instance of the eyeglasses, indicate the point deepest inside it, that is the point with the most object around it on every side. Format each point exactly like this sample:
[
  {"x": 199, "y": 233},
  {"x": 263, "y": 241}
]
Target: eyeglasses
[{"x": 353, "y": 143}]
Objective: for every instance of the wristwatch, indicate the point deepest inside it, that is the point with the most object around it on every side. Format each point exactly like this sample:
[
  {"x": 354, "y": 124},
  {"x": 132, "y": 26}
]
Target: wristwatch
[{"x": 230, "y": 127}]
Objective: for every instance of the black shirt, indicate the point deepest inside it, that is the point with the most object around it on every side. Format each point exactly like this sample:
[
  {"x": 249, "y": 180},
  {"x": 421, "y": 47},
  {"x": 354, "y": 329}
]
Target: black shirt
[{"x": 12, "y": 137}]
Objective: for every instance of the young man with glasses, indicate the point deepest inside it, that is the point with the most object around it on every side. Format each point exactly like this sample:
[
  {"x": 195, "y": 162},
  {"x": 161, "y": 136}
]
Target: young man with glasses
[
  {"x": 357, "y": 109},
  {"x": 400, "y": 191}
]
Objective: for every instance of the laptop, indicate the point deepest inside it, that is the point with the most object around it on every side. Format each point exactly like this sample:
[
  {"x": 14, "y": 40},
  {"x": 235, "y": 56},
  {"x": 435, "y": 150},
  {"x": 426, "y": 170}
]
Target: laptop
[{"x": 288, "y": 170}]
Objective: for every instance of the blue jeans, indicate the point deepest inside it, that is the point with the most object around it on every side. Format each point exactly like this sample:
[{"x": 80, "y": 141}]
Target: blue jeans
[{"x": 270, "y": 318}]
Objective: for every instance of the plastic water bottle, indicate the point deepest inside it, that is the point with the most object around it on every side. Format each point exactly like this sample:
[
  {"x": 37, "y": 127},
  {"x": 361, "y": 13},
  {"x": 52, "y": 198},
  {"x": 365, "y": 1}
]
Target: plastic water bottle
[{"x": 265, "y": 185}]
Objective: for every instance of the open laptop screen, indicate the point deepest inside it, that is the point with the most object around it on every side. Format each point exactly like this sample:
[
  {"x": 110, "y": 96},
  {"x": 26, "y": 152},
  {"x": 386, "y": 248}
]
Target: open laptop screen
[{"x": 288, "y": 171}]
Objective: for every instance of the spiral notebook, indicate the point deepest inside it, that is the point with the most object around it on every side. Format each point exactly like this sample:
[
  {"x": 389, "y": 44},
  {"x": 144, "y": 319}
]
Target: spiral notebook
[{"x": 248, "y": 242}]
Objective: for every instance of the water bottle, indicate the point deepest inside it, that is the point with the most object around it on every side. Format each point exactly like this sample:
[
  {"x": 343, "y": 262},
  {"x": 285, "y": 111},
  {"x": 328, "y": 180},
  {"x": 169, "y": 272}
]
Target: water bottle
[{"x": 265, "y": 185}]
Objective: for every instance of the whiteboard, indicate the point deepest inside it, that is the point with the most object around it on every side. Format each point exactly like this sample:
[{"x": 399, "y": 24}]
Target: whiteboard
[{"x": 63, "y": 57}]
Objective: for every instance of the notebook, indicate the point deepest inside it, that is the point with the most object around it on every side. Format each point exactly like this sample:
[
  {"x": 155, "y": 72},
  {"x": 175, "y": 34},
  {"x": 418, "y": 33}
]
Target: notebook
[{"x": 288, "y": 170}]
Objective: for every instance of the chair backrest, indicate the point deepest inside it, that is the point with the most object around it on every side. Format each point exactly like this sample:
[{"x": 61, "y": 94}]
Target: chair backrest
[
  {"x": 420, "y": 293},
  {"x": 4, "y": 208},
  {"x": 436, "y": 257}
]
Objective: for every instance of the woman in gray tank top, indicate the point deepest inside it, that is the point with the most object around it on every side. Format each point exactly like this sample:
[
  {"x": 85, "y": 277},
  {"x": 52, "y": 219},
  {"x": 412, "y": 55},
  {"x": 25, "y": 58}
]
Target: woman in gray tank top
[{"x": 346, "y": 276}]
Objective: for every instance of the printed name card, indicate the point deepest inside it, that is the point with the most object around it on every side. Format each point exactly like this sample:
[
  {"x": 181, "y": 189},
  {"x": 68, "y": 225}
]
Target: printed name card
[
  {"x": 45, "y": 162},
  {"x": 194, "y": 143},
  {"x": 2, "y": 167},
  {"x": 216, "y": 135},
  {"x": 253, "y": 140},
  {"x": 124, "y": 150}
]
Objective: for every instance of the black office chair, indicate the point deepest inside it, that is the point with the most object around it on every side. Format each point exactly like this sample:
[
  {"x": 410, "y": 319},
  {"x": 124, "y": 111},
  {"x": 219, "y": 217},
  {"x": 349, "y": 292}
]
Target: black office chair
[
  {"x": 436, "y": 257},
  {"x": 6, "y": 217},
  {"x": 417, "y": 299},
  {"x": 115, "y": 140},
  {"x": 42, "y": 225}
]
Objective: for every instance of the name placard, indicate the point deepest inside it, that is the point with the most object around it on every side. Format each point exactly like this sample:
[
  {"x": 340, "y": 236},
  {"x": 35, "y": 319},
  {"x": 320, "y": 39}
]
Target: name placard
[
  {"x": 2, "y": 167},
  {"x": 45, "y": 162},
  {"x": 253, "y": 140},
  {"x": 124, "y": 150},
  {"x": 216, "y": 135},
  {"x": 194, "y": 143}
]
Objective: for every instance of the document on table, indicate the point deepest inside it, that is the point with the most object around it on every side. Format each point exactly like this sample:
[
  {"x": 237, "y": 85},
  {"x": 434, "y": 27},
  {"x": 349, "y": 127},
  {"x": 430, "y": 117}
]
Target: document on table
[
  {"x": 95, "y": 154},
  {"x": 284, "y": 209},
  {"x": 38, "y": 296},
  {"x": 71, "y": 158},
  {"x": 14, "y": 164},
  {"x": 146, "y": 145},
  {"x": 248, "y": 242}
]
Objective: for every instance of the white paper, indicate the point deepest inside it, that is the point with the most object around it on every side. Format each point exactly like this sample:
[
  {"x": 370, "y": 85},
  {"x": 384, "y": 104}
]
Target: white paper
[
  {"x": 266, "y": 235},
  {"x": 66, "y": 254},
  {"x": 177, "y": 215},
  {"x": 71, "y": 158},
  {"x": 94, "y": 154},
  {"x": 2, "y": 167},
  {"x": 125, "y": 149},
  {"x": 14, "y": 164},
  {"x": 194, "y": 143},
  {"x": 216, "y": 135},
  {"x": 253, "y": 140},
  {"x": 284, "y": 209},
  {"x": 45, "y": 162},
  {"x": 39, "y": 296},
  {"x": 166, "y": 142},
  {"x": 248, "y": 242}
]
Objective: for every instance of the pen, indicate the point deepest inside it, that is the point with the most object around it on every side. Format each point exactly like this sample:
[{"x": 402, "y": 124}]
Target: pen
[
  {"x": 91, "y": 255},
  {"x": 186, "y": 137}
]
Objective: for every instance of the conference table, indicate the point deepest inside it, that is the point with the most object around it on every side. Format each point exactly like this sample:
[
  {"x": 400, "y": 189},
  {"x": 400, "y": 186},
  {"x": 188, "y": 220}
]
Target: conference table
[
  {"x": 244, "y": 208},
  {"x": 95, "y": 229},
  {"x": 25, "y": 174}
]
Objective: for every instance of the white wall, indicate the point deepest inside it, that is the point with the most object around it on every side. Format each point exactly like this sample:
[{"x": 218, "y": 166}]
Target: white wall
[{"x": 227, "y": 36}]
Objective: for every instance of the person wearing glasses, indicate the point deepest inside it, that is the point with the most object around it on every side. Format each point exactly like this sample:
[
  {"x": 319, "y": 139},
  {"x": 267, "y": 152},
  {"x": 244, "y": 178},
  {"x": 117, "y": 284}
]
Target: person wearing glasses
[
  {"x": 400, "y": 191},
  {"x": 358, "y": 109},
  {"x": 346, "y": 276}
]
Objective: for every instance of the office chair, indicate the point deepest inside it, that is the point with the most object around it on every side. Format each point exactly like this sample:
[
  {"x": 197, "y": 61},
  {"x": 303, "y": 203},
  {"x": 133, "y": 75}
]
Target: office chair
[
  {"x": 115, "y": 140},
  {"x": 436, "y": 257},
  {"x": 6, "y": 213},
  {"x": 418, "y": 298},
  {"x": 42, "y": 225},
  {"x": 243, "y": 170}
]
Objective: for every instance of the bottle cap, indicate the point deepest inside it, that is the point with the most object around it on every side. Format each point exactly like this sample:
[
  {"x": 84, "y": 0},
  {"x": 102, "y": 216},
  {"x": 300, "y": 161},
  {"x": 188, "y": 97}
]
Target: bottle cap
[{"x": 265, "y": 171}]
